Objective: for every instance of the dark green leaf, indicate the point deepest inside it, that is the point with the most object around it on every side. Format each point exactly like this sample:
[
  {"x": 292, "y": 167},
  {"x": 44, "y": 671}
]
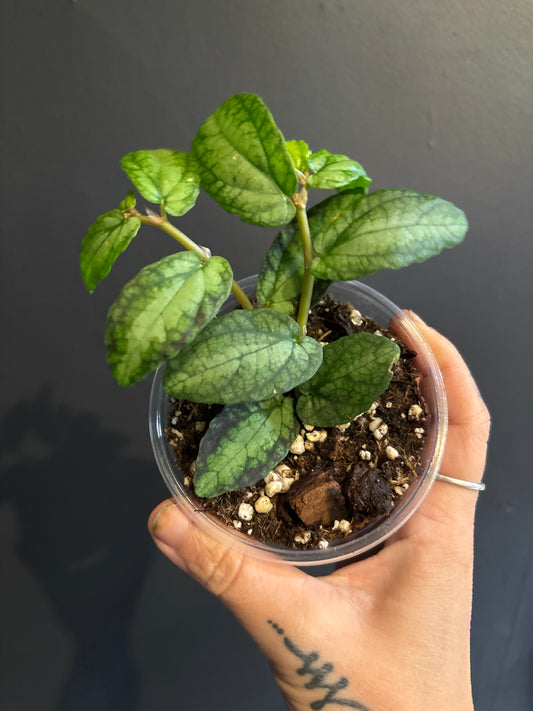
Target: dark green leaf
[
  {"x": 334, "y": 171},
  {"x": 105, "y": 240},
  {"x": 243, "y": 356},
  {"x": 244, "y": 163},
  {"x": 299, "y": 153},
  {"x": 164, "y": 307},
  {"x": 280, "y": 280},
  {"x": 166, "y": 177},
  {"x": 243, "y": 443},
  {"x": 355, "y": 371},
  {"x": 388, "y": 229}
]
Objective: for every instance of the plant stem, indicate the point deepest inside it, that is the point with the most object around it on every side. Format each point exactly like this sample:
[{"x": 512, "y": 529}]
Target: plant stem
[
  {"x": 178, "y": 235},
  {"x": 241, "y": 297},
  {"x": 189, "y": 244},
  {"x": 308, "y": 278}
]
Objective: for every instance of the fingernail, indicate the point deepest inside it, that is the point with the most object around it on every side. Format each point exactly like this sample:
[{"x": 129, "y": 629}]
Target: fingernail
[
  {"x": 169, "y": 526},
  {"x": 161, "y": 519},
  {"x": 416, "y": 317}
]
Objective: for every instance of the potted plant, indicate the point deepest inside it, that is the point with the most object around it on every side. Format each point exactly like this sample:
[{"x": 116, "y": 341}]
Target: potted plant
[{"x": 299, "y": 361}]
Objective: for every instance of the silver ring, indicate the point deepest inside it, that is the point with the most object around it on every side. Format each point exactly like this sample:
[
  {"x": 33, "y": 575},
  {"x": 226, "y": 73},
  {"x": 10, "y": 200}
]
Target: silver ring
[{"x": 461, "y": 482}]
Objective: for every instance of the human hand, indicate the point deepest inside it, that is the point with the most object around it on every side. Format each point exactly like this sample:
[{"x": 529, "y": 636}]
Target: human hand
[{"x": 389, "y": 633}]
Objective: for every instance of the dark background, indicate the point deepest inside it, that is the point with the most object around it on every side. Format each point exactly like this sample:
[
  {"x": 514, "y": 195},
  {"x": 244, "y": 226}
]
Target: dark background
[{"x": 430, "y": 95}]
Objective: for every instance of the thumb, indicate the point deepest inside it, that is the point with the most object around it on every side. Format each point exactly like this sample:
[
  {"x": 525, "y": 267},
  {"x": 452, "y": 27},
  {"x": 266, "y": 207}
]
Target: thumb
[{"x": 252, "y": 589}]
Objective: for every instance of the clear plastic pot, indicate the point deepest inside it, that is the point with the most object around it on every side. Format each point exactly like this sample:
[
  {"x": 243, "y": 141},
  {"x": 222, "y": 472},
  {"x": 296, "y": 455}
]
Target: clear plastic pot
[{"x": 373, "y": 305}]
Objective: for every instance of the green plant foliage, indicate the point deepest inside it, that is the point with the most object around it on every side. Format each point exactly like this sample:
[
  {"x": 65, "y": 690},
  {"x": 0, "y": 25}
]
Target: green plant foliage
[
  {"x": 129, "y": 201},
  {"x": 105, "y": 240},
  {"x": 333, "y": 171},
  {"x": 280, "y": 280},
  {"x": 243, "y": 443},
  {"x": 243, "y": 356},
  {"x": 165, "y": 177},
  {"x": 161, "y": 310},
  {"x": 355, "y": 371},
  {"x": 257, "y": 361},
  {"x": 387, "y": 229},
  {"x": 244, "y": 163},
  {"x": 299, "y": 153}
]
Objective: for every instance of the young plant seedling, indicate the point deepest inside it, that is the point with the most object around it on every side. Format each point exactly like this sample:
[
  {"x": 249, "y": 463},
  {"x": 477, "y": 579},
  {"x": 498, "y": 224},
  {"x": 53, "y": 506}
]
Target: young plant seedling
[{"x": 257, "y": 361}]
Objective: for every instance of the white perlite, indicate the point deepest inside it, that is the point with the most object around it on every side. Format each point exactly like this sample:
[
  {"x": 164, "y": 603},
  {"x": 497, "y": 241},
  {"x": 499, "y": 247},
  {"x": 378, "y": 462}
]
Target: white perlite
[
  {"x": 419, "y": 431},
  {"x": 273, "y": 488},
  {"x": 356, "y": 317},
  {"x": 263, "y": 504},
  {"x": 380, "y": 432},
  {"x": 298, "y": 446},
  {"x": 344, "y": 526},
  {"x": 392, "y": 452},
  {"x": 271, "y": 477},
  {"x": 375, "y": 422},
  {"x": 282, "y": 475},
  {"x": 246, "y": 512},
  {"x": 286, "y": 483},
  {"x": 343, "y": 427},
  {"x": 365, "y": 455},
  {"x": 323, "y": 544},
  {"x": 317, "y": 436},
  {"x": 283, "y": 470},
  {"x": 415, "y": 412},
  {"x": 303, "y": 538}
]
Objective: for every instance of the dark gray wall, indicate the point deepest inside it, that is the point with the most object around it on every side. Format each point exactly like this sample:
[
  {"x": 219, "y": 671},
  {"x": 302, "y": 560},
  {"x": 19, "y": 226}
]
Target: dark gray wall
[{"x": 426, "y": 94}]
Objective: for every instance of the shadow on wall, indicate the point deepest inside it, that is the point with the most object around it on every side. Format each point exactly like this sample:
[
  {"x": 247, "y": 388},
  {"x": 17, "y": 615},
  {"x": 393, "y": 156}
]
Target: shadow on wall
[{"x": 82, "y": 507}]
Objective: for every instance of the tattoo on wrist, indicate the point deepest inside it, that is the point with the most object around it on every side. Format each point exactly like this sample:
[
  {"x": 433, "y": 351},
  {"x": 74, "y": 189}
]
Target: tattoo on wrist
[{"x": 319, "y": 674}]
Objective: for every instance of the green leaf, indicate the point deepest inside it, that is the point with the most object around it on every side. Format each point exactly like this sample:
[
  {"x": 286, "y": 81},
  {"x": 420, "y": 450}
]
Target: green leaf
[
  {"x": 105, "y": 240},
  {"x": 244, "y": 163},
  {"x": 280, "y": 280},
  {"x": 164, "y": 307},
  {"x": 166, "y": 177},
  {"x": 243, "y": 356},
  {"x": 388, "y": 229},
  {"x": 335, "y": 171},
  {"x": 243, "y": 443},
  {"x": 355, "y": 371},
  {"x": 129, "y": 201},
  {"x": 299, "y": 153}
]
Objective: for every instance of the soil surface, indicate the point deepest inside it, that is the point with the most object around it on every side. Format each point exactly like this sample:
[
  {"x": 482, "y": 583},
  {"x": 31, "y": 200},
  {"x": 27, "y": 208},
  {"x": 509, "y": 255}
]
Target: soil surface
[{"x": 335, "y": 480}]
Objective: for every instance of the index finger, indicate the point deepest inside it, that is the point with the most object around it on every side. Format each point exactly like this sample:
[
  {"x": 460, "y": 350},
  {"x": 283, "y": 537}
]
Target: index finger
[
  {"x": 466, "y": 442},
  {"x": 468, "y": 417}
]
